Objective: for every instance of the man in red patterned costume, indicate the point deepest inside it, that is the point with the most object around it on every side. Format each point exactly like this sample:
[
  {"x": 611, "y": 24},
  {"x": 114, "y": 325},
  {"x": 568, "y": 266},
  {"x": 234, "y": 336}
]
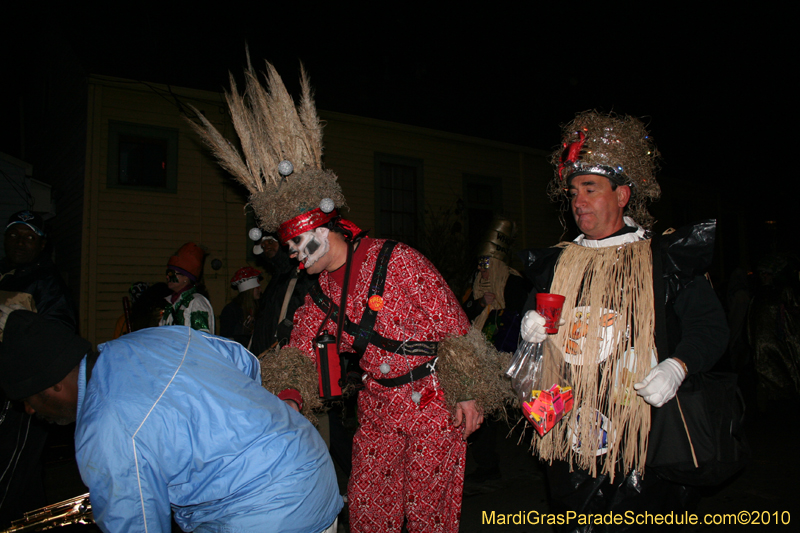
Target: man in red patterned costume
[
  {"x": 409, "y": 451},
  {"x": 408, "y": 456}
]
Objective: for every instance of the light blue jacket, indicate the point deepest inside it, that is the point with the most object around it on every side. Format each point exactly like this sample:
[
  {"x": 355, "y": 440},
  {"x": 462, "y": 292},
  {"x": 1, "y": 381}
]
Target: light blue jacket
[{"x": 177, "y": 419}]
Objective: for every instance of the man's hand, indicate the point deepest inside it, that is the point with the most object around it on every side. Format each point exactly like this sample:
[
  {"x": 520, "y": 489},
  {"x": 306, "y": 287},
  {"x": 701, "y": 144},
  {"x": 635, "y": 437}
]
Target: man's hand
[
  {"x": 532, "y": 327},
  {"x": 488, "y": 298},
  {"x": 468, "y": 413},
  {"x": 6, "y": 310},
  {"x": 661, "y": 384},
  {"x": 292, "y": 398}
]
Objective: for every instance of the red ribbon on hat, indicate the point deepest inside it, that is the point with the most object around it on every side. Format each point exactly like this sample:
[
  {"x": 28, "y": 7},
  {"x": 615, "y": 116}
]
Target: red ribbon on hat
[
  {"x": 304, "y": 222},
  {"x": 571, "y": 153},
  {"x": 311, "y": 220}
]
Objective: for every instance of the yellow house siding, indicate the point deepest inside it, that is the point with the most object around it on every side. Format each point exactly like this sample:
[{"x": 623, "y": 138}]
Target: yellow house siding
[
  {"x": 129, "y": 234},
  {"x": 133, "y": 232},
  {"x": 352, "y": 142},
  {"x": 87, "y": 303}
]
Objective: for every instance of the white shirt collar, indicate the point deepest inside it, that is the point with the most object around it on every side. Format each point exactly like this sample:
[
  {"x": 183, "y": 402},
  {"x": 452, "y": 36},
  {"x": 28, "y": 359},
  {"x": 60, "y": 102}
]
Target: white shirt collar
[{"x": 616, "y": 240}]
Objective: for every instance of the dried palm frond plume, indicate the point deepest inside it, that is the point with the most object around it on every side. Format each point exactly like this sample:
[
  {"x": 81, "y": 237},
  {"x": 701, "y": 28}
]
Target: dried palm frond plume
[{"x": 272, "y": 131}]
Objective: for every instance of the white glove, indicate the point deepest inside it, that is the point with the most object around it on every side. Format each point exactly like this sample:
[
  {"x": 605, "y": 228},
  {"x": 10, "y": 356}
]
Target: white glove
[
  {"x": 661, "y": 384},
  {"x": 532, "y": 327}
]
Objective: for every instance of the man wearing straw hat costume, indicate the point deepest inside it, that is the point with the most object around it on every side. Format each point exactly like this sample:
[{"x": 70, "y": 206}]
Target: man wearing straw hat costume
[
  {"x": 605, "y": 346},
  {"x": 498, "y": 292},
  {"x": 409, "y": 452}
]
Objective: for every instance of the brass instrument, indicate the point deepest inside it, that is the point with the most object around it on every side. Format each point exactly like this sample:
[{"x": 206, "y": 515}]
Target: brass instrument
[{"x": 77, "y": 510}]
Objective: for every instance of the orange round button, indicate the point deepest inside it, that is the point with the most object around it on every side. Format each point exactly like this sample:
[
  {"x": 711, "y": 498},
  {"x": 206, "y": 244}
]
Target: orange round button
[{"x": 375, "y": 303}]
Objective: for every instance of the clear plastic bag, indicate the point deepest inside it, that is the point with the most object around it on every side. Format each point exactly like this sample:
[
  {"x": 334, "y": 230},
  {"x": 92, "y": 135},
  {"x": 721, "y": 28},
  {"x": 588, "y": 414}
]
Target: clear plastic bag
[
  {"x": 545, "y": 394},
  {"x": 517, "y": 359},
  {"x": 525, "y": 368}
]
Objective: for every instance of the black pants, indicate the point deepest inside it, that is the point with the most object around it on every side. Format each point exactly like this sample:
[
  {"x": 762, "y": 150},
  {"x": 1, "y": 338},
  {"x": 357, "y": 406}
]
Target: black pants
[
  {"x": 577, "y": 491},
  {"x": 483, "y": 444}
]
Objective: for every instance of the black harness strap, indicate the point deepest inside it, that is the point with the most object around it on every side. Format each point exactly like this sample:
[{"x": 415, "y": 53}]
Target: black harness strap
[
  {"x": 376, "y": 286},
  {"x": 415, "y": 374},
  {"x": 364, "y": 333},
  {"x": 348, "y": 267}
]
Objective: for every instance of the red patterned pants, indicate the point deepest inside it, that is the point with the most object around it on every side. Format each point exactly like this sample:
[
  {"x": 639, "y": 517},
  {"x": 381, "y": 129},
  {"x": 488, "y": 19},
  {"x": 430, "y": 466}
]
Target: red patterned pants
[{"x": 407, "y": 462}]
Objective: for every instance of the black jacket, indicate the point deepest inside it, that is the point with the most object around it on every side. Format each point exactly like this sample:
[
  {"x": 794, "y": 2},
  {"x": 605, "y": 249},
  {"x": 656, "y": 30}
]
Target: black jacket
[{"x": 41, "y": 280}]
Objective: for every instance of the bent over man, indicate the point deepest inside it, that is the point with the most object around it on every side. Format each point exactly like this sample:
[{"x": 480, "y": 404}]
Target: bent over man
[{"x": 173, "y": 420}]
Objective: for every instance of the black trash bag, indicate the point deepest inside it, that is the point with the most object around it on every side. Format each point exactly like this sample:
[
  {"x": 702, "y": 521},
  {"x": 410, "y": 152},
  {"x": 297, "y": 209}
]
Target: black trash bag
[
  {"x": 686, "y": 253},
  {"x": 714, "y": 410}
]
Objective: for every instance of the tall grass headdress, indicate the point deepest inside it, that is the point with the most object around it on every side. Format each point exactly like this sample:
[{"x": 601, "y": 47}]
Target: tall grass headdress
[{"x": 280, "y": 162}]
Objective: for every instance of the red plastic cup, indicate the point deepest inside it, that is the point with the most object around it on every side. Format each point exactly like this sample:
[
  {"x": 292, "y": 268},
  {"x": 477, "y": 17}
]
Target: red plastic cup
[{"x": 549, "y": 306}]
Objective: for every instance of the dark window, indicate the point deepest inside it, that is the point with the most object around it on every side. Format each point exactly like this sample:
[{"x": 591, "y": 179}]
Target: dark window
[
  {"x": 399, "y": 197},
  {"x": 142, "y": 157}
]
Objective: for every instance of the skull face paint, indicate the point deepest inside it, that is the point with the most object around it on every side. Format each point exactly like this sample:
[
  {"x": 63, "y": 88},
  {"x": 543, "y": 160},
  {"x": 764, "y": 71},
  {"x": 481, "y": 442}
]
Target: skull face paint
[{"x": 310, "y": 246}]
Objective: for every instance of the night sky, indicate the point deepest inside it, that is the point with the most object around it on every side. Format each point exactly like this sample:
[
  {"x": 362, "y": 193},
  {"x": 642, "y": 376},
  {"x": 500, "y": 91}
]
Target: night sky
[{"x": 710, "y": 81}]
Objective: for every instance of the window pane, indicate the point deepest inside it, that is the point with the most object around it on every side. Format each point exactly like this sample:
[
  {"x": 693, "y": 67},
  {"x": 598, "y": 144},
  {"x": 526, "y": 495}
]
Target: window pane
[
  {"x": 141, "y": 156},
  {"x": 398, "y": 201},
  {"x": 142, "y": 162}
]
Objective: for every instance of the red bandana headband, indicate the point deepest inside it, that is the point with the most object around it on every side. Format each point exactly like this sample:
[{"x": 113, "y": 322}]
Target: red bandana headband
[{"x": 304, "y": 222}]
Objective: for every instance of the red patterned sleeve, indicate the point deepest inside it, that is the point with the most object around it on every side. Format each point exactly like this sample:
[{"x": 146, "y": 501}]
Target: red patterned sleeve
[
  {"x": 428, "y": 290},
  {"x": 306, "y": 320}
]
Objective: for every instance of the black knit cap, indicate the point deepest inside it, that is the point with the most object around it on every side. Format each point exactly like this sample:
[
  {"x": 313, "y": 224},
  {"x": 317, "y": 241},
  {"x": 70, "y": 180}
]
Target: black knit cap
[{"x": 37, "y": 353}]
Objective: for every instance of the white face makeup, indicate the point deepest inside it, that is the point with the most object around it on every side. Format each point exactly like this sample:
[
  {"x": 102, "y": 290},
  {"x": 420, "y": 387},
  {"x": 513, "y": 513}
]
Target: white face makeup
[{"x": 310, "y": 246}]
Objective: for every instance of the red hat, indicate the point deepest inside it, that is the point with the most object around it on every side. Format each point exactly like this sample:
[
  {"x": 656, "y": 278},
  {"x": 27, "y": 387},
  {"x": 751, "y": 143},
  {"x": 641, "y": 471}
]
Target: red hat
[
  {"x": 246, "y": 278},
  {"x": 188, "y": 260}
]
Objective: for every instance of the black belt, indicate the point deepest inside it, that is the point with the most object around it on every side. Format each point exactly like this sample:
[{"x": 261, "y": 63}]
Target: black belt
[{"x": 422, "y": 371}]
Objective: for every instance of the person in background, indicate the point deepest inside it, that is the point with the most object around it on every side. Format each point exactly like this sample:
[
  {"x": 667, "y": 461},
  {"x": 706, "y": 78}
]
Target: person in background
[
  {"x": 773, "y": 326},
  {"x": 148, "y": 309},
  {"x": 27, "y": 273},
  {"x": 135, "y": 291},
  {"x": 284, "y": 294},
  {"x": 187, "y": 306},
  {"x": 494, "y": 303},
  {"x": 494, "y": 306},
  {"x": 26, "y": 268},
  {"x": 238, "y": 318}
]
